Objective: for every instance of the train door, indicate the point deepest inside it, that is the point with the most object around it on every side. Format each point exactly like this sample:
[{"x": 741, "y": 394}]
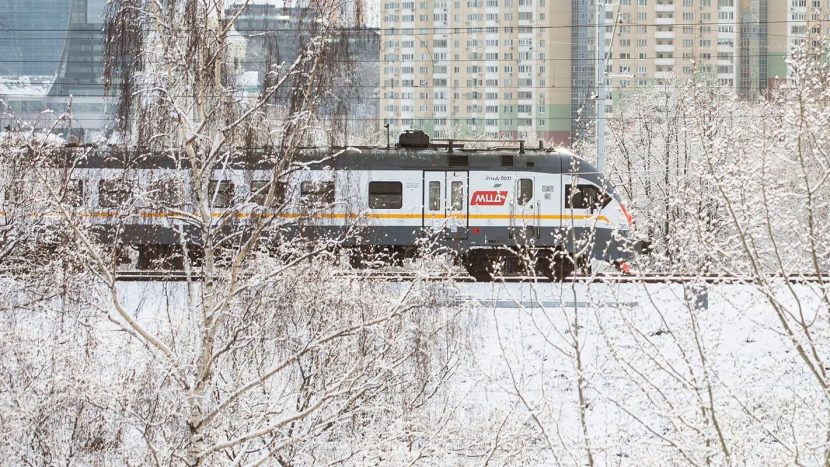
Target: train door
[
  {"x": 446, "y": 202},
  {"x": 549, "y": 204},
  {"x": 524, "y": 209}
]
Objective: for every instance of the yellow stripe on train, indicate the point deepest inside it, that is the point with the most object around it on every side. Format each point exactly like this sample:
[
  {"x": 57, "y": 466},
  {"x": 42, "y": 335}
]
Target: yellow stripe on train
[{"x": 321, "y": 215}]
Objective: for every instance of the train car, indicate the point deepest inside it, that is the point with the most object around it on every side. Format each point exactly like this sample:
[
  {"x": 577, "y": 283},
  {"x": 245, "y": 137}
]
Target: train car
[{"x": 497, "y": 211}]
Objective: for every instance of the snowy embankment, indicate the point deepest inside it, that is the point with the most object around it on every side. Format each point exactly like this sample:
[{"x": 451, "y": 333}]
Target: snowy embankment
[{"x": 661, "y": 382}]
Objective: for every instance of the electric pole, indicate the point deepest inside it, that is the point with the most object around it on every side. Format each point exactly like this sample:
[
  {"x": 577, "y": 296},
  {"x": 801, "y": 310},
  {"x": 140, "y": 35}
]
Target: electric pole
[{"x": 601, "y": 58}]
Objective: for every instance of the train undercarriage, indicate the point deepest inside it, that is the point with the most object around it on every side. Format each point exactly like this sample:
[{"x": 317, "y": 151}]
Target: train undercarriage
[{"x": 483, "y": 265}]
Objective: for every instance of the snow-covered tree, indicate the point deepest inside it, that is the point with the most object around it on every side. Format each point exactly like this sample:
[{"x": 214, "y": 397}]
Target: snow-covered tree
[{"x": 257, "y": 358}]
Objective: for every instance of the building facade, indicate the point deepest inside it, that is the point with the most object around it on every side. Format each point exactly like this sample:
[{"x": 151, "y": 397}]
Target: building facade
[
  {"x": 32, "y": 35},
  {"x": 275, "y": 35},
  {"x": 51, "y": 55},
  {"x": 527, "y": 68},
  {"x": 492, "y": 68},
  {"x": 790, "y": 23}
]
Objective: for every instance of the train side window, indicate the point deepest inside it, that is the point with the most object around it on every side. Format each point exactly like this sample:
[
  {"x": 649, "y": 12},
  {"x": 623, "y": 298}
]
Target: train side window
[
  {"x": 317, "y": 192},
  {"x": 113, "y": 193},
  {"x": 457, "y": 196},
  {"x": 434, "y": 195},
  {"x": 385, "y": 195},
  {"x": 75, "y": 193},
  {"x": 13, "y": 194},
  {"x": 221, "y": 193},
  {"x": 259, "y": 191},
  {"x": 525, "y": 192},
  {"x": 166, "y": 192},
  {"x": 586, "y": 197}
]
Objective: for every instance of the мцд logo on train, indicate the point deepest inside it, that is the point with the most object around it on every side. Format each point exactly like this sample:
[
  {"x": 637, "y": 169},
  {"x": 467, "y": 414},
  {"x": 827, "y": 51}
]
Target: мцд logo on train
[{"x": 489, "y": 198}]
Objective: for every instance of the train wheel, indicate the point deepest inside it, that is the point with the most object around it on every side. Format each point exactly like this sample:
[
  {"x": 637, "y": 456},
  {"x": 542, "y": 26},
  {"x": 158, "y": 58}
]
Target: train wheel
[
  {"x": 556, "y": 266},
  {"x": 479, "y": 266},
  {"x": 356, "y": 260},
  {"x": 160, "y": 257},
  {"x": 544, "y": 265},
  {"x": 562, "y": 268}
]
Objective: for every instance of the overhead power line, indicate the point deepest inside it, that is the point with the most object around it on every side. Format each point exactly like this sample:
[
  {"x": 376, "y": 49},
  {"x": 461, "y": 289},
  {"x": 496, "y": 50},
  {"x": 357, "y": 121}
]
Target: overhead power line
[
  {"x": 713, "y": 56},
  {"x": 477, "y": 29},
  {"x": 479, "y": 119}
]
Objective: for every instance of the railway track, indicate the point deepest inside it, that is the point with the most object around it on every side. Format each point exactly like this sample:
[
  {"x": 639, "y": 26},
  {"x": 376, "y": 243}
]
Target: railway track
[
  {"x": 155, "y": 276},
  {"x": 599, "y": 278},
  {"x": 604, "y": 278}
]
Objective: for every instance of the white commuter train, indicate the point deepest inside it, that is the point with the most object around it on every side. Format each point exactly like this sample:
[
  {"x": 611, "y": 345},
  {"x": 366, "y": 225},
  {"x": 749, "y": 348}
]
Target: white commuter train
[{"x": 516, "y": 209}]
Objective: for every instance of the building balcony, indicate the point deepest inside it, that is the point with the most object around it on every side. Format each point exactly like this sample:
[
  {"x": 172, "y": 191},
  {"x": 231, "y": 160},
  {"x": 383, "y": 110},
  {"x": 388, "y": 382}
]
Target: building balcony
[
  {"x": 664, "y": 35},
  {"x": 664, "y": 48},
  {"x": 664, "y": 61},
  {"x": 663, "y": 21},
  {"x": 664, "y": 7}
]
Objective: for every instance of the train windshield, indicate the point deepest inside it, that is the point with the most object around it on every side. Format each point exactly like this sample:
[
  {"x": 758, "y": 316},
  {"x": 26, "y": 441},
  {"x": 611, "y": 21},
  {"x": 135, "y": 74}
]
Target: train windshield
[{"x": 586, "y": 196}]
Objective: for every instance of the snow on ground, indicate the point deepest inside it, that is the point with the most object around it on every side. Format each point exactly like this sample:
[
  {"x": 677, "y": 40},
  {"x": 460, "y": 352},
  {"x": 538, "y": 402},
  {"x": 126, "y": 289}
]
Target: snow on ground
[
  {"x": 662, "y": 382},
  {"x": 654, "y": 369}
]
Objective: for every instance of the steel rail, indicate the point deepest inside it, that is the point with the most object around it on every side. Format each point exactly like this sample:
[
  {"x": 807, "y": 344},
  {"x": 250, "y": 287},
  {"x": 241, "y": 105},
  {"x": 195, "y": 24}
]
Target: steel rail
[
  {"x": 599, "y": 278},
  {"x": 148, "y": 275}
]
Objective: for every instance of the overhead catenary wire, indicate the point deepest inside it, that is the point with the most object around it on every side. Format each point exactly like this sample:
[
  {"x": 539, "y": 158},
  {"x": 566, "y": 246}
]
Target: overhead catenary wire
[
  {"x": 335, "y": 119},
  {"x": 433, "y": 60},
  {"x": 477, "y": 29},
  {"x": 78, "y": 98},
  {"x": 258, "y": 34},
  {"x": 408, "y": 30}
]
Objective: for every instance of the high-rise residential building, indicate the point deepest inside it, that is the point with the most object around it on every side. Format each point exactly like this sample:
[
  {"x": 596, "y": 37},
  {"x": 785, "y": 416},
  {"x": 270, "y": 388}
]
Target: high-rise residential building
[
  {"x": 652, "y": 40},
  {"x": 81, "y": 67},
  {"x": 648, "y": 41},
  {"x": 583, "y": 68},
  {"x": 790, "y": 23},
  {"x": 744, "y": 43},
  {"x": 527, "y": 68},
  {"x": 492, "y": 68}
]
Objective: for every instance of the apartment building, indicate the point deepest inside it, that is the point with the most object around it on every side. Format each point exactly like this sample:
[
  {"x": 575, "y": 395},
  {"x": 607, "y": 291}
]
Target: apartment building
[
  {"x": 655, "y": 40},
  {"x": 526, "y": 68},
  {"x": 790, "y": 22},
  {"x": 494, "y": 68}
]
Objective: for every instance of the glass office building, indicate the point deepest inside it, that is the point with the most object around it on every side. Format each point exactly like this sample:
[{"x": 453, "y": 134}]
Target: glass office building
[
  {"x": 32, "y": 36},
  {"x": 51, "y": 50}
]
